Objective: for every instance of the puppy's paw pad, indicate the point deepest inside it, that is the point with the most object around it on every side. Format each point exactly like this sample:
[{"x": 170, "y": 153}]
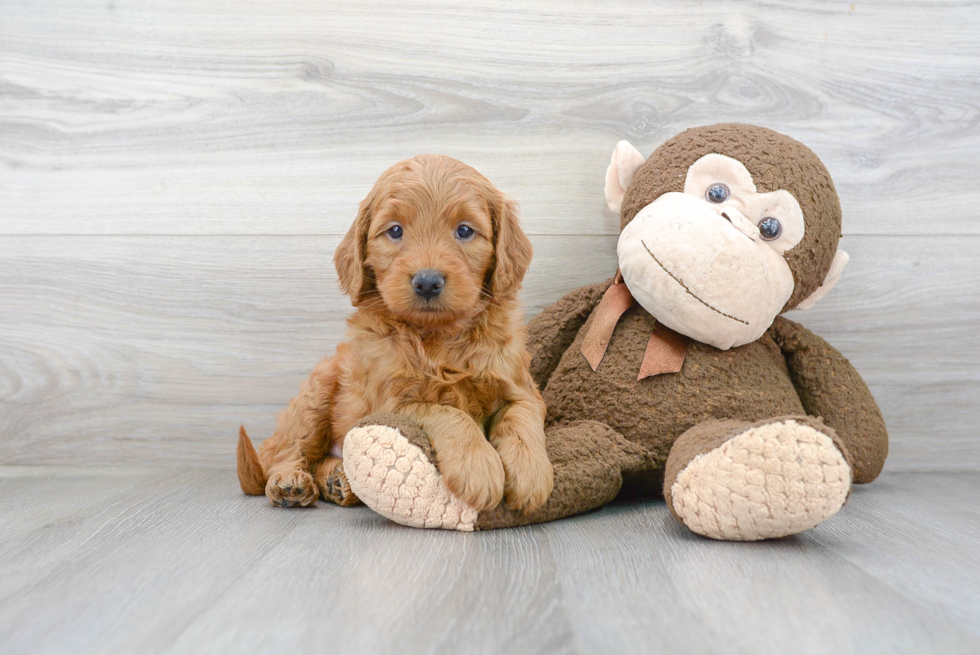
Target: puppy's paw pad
[
  {"x": 293, "y": 488},
  {"x": 335, "y": 488},
  {"x": 395, "y": 479}
]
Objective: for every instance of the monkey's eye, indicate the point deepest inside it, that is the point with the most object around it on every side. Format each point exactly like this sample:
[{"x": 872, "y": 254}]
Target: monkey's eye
[
  {"x": 395, "y": 232},
  {"x": 717, "y": 193},
  {"x": 770, "y": 228},
  {"x": 464, "y": 232}
]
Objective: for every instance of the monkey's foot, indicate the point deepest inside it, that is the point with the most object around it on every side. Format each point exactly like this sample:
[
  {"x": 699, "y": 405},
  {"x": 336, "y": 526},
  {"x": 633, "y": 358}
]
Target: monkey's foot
[
  {"x": 391, "y": 469},
  {"x": 741, "y": 482}
]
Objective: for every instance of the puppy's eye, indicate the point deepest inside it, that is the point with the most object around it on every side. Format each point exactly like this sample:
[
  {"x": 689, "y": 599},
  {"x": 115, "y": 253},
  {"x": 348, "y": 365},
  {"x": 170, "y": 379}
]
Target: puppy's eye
[
  {"x": 464, "y": 232},
  {"x": 395, "y": 232},
  {"x": 717, "y": 194},
  {"x": 770, "y": 228}
]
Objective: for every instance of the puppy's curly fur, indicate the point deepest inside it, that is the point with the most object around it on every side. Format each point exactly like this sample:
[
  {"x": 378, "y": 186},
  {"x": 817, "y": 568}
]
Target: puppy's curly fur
[{"x": 454, "y": 362}]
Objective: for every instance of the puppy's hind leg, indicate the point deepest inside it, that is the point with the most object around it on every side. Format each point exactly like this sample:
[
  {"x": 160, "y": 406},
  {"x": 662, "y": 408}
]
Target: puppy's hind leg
[
  {"x": 301, "y": 441},
  {"x": 286, "y": 486},
  {"x": 291, "y": 487},
  {"x": 333, "y": 483}
]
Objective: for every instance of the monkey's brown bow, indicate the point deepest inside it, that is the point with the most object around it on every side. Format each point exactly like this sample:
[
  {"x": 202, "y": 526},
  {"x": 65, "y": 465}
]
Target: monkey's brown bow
[{"x": 665, "y": 350}]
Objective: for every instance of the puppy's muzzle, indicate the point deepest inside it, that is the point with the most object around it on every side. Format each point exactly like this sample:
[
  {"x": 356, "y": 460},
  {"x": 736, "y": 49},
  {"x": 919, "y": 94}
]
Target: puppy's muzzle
[{"x": 428, "y": 283}]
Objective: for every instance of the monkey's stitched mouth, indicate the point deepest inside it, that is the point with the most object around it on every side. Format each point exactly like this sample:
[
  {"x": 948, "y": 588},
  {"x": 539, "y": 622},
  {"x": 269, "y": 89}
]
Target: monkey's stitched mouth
[{"x": 685, "y": 287}]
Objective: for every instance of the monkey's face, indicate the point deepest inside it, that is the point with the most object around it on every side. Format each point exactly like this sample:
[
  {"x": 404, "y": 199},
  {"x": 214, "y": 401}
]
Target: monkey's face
[{"x": 709, "y": 262}]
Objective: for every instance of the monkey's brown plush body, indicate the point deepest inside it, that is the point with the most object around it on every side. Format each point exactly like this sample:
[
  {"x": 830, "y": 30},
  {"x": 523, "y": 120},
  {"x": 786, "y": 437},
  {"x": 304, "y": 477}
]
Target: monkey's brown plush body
[
  {"x": 681, "y": 370},
  {"x": 789, "y": 371},
  {"x": 787, "y": 374}
]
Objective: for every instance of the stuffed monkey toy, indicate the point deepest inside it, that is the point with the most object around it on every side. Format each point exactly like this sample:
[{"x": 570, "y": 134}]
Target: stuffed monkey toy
[{"x": 680, "y": 370}]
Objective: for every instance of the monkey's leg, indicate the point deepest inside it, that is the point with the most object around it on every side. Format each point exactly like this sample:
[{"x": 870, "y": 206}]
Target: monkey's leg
[
  {"x": 748, "y": 481},
  {"x": 391, "y": 468}
]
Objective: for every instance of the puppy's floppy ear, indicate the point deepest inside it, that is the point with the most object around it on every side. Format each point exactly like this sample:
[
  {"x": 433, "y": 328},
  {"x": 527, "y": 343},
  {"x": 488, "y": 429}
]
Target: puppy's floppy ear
[
  {"x": 355, "y": 279},
  {"x": 512, "y": 249}
]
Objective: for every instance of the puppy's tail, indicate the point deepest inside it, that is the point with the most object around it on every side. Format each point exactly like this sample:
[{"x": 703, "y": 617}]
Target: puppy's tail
[{"x": 250, "y": 473}]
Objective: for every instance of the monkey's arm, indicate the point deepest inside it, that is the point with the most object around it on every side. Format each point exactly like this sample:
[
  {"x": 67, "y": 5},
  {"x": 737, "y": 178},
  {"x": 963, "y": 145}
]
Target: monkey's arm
[
  {"x": 831, "y": 388},
  {"x": 550, "y": 333}
]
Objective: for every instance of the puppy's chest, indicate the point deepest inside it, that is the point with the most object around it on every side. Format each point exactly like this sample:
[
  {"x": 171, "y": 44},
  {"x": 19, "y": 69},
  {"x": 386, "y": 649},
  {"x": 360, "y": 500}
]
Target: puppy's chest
[{"x": 444, "y": 376}]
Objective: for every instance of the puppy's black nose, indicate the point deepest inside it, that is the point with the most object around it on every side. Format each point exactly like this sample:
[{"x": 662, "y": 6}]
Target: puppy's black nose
[{"x": 428, "y": 283}]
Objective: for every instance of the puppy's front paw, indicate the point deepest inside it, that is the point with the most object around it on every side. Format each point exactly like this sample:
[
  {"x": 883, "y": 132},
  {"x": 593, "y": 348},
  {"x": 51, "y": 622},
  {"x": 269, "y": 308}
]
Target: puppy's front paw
[
  {"x": 528, "y": 474},
  {"x": 291, "y": 488},
  {"x": 473, "y": 473}
]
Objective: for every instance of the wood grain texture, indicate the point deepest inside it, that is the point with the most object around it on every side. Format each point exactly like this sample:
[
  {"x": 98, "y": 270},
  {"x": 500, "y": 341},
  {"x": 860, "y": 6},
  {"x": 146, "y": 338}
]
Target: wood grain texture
[
  {"x": 664, "y": 589},
  {"x": 151, "y": 350},
  {"x": 177, "y": 561},
  {"x": 276, "y": 117},
  {"x": 174, "y": 177}
]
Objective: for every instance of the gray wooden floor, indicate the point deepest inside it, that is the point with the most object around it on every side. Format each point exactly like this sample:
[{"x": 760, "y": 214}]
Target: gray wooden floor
[{"x": 177, "y": 560}]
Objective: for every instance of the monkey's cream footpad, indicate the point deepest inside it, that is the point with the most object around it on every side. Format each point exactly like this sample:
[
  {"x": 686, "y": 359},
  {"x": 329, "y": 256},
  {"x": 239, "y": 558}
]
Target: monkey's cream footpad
[
  {"x": 394, "y": 478},
  {"x": 770, "y": 481}
]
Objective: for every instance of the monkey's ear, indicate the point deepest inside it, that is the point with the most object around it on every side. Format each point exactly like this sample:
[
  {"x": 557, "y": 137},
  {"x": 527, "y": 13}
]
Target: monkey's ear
[
  {"x": 836, "y": 266},
  {"x": 348, "y": 258},
  {"x": 625, "y": 160},
  {"x": 512, "y": 249}
]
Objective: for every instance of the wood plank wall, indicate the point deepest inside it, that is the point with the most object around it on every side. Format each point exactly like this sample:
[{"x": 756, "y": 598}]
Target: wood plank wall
[{"x": 175, "y": 175}]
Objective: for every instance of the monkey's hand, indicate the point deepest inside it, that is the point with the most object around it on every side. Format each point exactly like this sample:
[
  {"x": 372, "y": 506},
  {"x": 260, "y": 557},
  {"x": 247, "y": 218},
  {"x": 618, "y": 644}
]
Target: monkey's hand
[{"x": 830, "y": 387}]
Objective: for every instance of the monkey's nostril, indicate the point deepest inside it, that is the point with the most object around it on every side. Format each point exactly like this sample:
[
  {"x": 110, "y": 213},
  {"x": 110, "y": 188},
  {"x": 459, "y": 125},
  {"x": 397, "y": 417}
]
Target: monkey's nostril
[
  {"x": 726, "y": 217},
  {"x": 428, "y": 283}
]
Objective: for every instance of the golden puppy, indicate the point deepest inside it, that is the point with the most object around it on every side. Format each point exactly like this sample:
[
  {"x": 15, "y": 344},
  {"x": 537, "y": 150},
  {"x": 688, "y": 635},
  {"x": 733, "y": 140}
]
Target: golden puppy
[{"x": 433, "y": 264}]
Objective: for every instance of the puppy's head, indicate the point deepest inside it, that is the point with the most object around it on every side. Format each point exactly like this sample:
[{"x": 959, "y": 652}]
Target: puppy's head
[{"x": 433, "y": 243}]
